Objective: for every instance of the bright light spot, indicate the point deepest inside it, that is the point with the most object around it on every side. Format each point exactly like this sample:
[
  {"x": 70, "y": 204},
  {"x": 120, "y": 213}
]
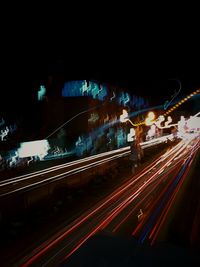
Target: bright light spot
[
  {"x": 152, "y": 132},
  {"x": 41, "y": 92},
  {"x": 193, "y": 123},
  {"x": 148, "y": 122},
  {"x": 160, "y": 119},
  {"x": 151, "y": 115},
  {"x": 34, "y": 148},
  {"x": 131, "y": 135},
  {"x": 124, "y": 116}
]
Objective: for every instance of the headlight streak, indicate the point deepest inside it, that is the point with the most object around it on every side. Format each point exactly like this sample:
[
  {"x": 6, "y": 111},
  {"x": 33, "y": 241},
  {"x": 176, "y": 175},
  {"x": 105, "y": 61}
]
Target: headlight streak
[
  {"x": 115, "y": 210},
  {"x": 156, "y": 212},
  {"x": 111, "y": 216},
  {"x": 140, "y": 224},
  {"x": 170, "y": 190},
  {"x": 163, "y": 215},
  {"x": 57, "y": 177},
  {"x": 58, "y": 167},
  {"x": 63, "y": 175},
  {"x": 145, "y": 197},
  {"x": 80, "y": 221},
  {"x": 157, "y": 227},
  {"x": 48, "y": 245},
  {"x": 153, "y": 206},
  {"x": 147, "y": 183},
  {"x": 73, "y": 163},
  {"x": 160, "y": 195}
]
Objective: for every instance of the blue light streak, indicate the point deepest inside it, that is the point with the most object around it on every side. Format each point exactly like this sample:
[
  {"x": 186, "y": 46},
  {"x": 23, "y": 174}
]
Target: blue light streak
[{"x": 151, "y": 221}]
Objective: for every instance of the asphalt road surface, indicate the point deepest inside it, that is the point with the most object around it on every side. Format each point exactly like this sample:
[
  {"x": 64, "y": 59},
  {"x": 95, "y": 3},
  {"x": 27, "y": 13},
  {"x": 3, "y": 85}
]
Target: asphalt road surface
[{"x": 137, "y": 209}]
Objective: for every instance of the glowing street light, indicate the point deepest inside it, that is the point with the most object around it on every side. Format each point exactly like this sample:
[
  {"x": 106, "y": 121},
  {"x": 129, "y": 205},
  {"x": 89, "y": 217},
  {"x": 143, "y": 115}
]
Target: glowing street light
[
  {"x": 151, "y": 115},
  {"x": 124, "y": 116},
  {"x": 150, "y": 118}
]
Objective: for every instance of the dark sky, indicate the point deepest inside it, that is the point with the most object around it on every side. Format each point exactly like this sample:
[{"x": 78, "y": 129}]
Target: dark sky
[
  {"x": 141, "y": 58},
  {"x": 153, "y": 78}
]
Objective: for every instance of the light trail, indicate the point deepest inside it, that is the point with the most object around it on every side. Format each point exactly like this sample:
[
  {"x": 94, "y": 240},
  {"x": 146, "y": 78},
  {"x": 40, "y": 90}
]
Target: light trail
[
  {"x": 145, "y": 197},
  {"x": 60, "y": 176},
  {"x": 171, "y": 188},
  {"x": 134, "y": 192},
  {"x": 61, "y": 166},
  {"x": 165, "y": 212},
  {"x": 45, "y": 247},
  {"x": 80, "y": 161},
  {"x": 55, "y": 177}
]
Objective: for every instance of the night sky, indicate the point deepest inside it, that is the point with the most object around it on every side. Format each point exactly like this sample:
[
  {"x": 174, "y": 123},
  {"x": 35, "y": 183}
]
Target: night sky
[
  {"x": 147, "y": 78},
  {"x": 145, "y": 62}
]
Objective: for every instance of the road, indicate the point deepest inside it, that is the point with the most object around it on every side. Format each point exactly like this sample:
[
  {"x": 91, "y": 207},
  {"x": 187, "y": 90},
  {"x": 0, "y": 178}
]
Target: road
[
  {"x": 62, "y": 171},
  {"x": 142, "y": 202}
]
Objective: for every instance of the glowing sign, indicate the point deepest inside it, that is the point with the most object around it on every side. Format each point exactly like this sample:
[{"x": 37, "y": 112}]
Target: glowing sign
[
  {"x": 41, "y": 92},
  {"x": 34, "y": 148}
]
